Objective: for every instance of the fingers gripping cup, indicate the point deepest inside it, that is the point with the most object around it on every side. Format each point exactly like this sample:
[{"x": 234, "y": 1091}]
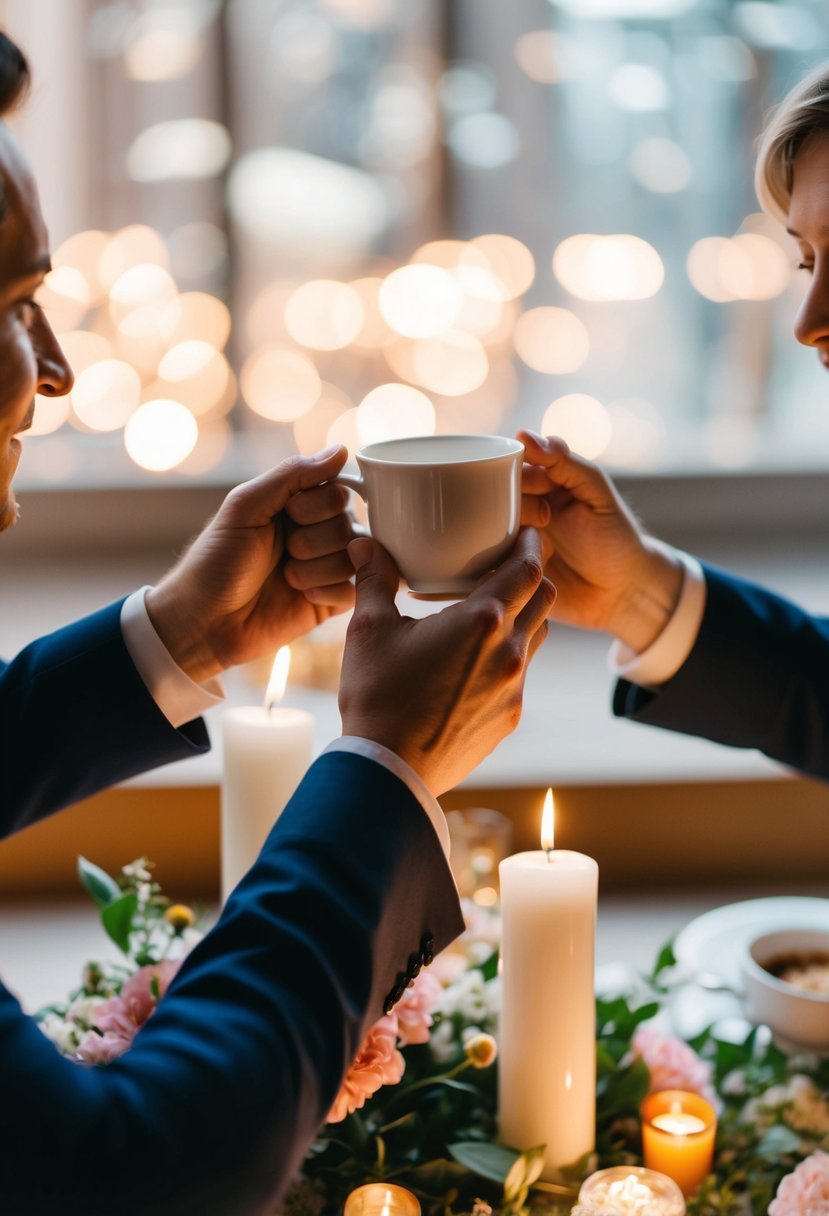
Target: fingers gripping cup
[{"x": 447, "y": 507}]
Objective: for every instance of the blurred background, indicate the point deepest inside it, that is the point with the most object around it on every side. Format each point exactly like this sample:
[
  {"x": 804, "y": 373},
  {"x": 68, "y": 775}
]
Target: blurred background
[{"x": 278, "y": 224}]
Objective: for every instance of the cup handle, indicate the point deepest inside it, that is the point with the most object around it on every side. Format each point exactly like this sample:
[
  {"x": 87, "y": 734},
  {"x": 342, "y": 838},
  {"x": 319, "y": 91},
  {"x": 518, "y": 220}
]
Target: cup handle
[{"x": 355, "y": 482}]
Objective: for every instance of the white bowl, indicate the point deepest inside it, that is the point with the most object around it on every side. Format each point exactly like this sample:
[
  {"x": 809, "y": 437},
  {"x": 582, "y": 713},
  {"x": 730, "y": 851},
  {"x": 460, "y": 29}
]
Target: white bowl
[{"x": 796, "y": 1017}]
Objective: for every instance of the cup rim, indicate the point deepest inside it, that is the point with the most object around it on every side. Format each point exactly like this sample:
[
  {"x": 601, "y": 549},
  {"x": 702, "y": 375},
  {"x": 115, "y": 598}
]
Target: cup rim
[
  {"x": 368, "y": 453},
  {"x": 760, "y": 974}
]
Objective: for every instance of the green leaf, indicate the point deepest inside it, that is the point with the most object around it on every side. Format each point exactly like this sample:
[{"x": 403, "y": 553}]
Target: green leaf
[
  {"x": 489, "y": 1160},
  {"x": 489, "y": 968},
  {"x": 622, "y": 1092},
  {"x": 779, "y": 1141},
  {"x": 117, "y": 919},
  {"x": 98, "y": 884},
  {"x": 666, "y": 959}
]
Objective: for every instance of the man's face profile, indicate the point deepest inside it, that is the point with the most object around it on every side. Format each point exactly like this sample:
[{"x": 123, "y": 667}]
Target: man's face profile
[{"x": 31, "y": 360}]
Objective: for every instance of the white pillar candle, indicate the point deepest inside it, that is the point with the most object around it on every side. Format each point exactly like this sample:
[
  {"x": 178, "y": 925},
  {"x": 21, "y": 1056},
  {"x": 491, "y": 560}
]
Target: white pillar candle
[
  {"x": 547, "y": 1049},
  {"x": 267, "y": 750}
]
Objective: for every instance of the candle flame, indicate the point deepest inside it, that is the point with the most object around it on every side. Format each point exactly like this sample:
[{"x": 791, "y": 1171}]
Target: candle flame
[
  {"x": 676, "y": 1108},
  {"x": 279, "y": 677},
  {"x": 548, "y": 823}
]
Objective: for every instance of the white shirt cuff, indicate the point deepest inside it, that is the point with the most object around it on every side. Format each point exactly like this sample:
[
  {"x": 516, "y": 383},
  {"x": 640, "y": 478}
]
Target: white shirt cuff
[
  {"x": 664, "y": 657},
  {"x": 391, "y": 761},
  {"x": 175, "y": 694}
]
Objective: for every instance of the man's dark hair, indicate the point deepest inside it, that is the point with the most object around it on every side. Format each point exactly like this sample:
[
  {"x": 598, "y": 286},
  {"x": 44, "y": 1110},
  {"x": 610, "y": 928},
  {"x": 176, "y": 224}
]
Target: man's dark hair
[{"x": 15, "y": 77}]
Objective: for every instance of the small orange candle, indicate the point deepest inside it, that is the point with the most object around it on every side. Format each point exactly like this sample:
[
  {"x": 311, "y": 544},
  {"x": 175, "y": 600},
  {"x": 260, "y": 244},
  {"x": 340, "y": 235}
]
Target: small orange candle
[
  {"x": 678, "y": 1131},
  {"x": 381, "y": 1199}
]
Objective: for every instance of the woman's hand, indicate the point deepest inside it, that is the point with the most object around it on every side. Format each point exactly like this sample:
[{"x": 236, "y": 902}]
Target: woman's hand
[{"x": 609, "y": 575}]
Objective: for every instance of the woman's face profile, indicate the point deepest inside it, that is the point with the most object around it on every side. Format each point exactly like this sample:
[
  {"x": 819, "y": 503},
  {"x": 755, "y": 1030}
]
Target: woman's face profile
[{"x": 808, "y": 223}]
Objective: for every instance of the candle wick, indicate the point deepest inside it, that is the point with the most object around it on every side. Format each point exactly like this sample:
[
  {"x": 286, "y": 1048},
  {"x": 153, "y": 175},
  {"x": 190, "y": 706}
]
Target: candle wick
[
  {"x": 549, "y": 853},
  {"x": 270, "y": 706}
]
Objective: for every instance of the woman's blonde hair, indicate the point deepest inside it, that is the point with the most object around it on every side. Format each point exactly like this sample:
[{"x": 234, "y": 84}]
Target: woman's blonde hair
[{"x": 804, "y": 110}]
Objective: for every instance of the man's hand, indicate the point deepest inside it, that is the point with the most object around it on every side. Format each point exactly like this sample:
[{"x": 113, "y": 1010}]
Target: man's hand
[
  {"x": 441, "y": 692},
  {"x": 608, "y": 573},
  {"x": 270, "y": 565}
]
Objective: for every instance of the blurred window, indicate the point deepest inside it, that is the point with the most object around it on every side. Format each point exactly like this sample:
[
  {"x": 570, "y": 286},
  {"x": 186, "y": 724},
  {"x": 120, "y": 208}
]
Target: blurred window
[{"x": 283, "y": 223}]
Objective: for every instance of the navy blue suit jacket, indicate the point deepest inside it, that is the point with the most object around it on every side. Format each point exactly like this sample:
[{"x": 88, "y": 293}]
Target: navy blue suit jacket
[
  {"x": 758, "y": 676},
  {"x": 212, "y": 1110}
]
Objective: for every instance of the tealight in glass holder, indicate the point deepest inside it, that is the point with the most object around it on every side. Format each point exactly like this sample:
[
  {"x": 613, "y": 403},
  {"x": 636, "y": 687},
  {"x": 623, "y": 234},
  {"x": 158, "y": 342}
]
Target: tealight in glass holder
[
  {"x": 381, "y": 1199},
  {"x": 678, "y": 1133},
  {"x": 629, "y": 1190}
]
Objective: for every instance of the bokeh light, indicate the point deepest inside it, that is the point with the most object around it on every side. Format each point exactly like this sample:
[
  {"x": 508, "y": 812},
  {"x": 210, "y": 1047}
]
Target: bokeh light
[
  {"x": 179, "y": 149},
  {"x": 749, "y": 266},
  {"x": 164, "y": 44},
  {"x": 394, "y": 411},
  {"x": 50, "y": 414},
  {"x": 551, "y": 340},
  {"x": 83, "y": 252},
  {"x": 509, "y": 260},
  {"x": 618, "y": 267},
  {"x": 374, "y": 331},
  {"x": 280, "y": 384},
  {"x": 105, "y": 394},
  {"x": 345, "y": 430},
  {"x": 160, "y": 435},
  {"x": 211, "y": 446},
  {"x": 324, "y": 315},
  {"x": 146, "y": 285},
  {"x": 452, "y": 364},
  {"x": 420, "y": 301},
  {"x": 196, "y": 374},
  {"x": 65, "y": 296},
  {"x": 582, "y": 421},
  {"x": 135, "y": 245},
  {"x": 312, "y": 429},
  {"x": 196, "y": 315}
]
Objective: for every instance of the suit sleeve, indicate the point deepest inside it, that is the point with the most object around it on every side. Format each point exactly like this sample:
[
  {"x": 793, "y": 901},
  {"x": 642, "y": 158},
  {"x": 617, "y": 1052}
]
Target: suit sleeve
[
  {"x": 75, "y": 717},
  {"x": 757, "y": 677},
  {"x": 214, "y": 1107}
]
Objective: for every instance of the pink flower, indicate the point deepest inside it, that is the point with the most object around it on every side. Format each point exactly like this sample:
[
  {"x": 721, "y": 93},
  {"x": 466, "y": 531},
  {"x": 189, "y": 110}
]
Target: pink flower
[
  {"x": 378, "y": 1062},
  {"x": 673, "y": 1064},
  {"x": 414, "y": 1008},
  {"x": 119, "y": 1019},
  {"x": 805, "y": 1191}
]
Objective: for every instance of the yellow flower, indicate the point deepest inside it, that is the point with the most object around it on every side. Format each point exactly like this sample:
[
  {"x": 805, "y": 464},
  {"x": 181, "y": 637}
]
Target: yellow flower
[
  {"x": 180, "y": 917},
  {"x": 481, "y": 1050}
]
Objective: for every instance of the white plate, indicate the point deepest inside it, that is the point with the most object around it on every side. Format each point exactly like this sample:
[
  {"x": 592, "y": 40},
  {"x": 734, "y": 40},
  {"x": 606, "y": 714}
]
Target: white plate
[{"x": 712, "y": 943}]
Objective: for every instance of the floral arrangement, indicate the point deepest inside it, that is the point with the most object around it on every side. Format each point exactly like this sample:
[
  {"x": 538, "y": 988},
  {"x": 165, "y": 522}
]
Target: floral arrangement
[{"x": 418, "y": 1105}]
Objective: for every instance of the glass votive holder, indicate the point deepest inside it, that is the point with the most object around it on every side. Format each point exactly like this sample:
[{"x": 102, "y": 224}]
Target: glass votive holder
[
  {"x": 678, "y": 1133},
  {"x": 629, "y": 1190},
  {"x": 381, "y": 1199},
  {"x": 481, "y": 839}
]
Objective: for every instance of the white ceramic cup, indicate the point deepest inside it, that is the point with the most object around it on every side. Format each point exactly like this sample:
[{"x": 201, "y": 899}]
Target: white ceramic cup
[
  {"x": 796, "y": 1017},
  {"x": 447, "y": 507}
]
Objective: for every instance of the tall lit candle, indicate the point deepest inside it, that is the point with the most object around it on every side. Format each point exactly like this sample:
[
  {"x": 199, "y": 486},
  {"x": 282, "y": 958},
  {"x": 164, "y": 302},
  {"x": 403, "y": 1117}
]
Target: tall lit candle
[
  {"x": 678, "y": 1133},
  {"x": 547, "y": 1050},
  {"x": 267, "y": 750}
]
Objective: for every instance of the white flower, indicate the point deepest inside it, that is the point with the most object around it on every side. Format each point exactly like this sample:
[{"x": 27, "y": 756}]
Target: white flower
[
  {"x": 443, "y": 1042},
  {"x": 82, "y": 1010},
  {"x": 799, "y": 1104},
  {"x": 65, "y": 1035},
  {"x": 734, "y": 1082}
]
